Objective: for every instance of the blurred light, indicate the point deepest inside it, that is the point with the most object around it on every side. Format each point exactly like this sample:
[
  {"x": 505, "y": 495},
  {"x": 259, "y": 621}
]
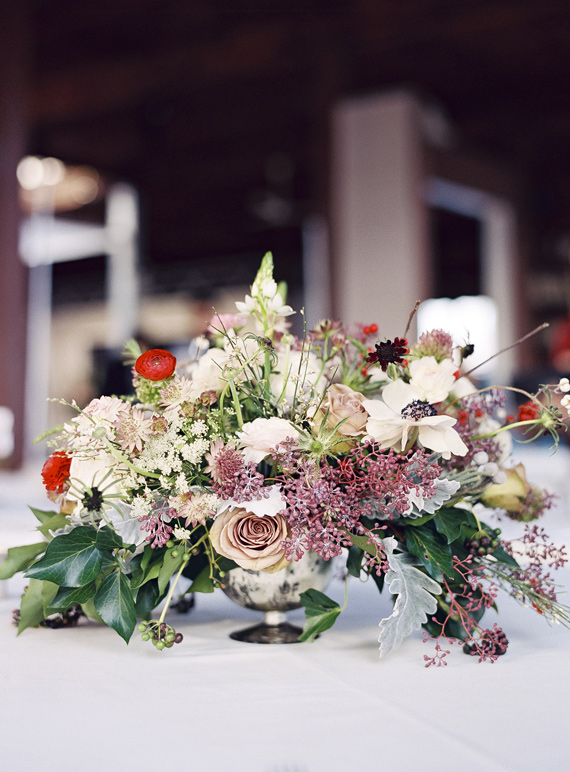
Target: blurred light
[
  {"x": 30, "y": 172},
  {"x": 53, "y": 171},
  {"x": 85, "y": 186},
  {"x": 47, "y": 184}
]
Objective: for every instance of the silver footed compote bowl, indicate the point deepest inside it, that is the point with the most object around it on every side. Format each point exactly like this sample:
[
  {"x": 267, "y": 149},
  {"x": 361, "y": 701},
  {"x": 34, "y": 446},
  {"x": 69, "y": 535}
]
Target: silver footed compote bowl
[{"x": 274, "y": 595}]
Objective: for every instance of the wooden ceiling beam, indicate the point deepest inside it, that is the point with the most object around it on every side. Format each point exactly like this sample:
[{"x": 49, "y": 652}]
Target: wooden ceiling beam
[{"x": 117, "y": 84}]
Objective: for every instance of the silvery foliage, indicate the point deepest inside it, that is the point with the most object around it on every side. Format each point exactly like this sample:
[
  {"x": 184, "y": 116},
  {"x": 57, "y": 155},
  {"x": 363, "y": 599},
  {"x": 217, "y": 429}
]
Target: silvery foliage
[
  {"x": 414, "y": 593},
  {"x": 420, "y": 505}
]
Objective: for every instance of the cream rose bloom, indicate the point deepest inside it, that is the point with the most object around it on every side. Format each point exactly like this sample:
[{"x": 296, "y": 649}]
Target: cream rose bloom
[
  {"x": 343, "y": 411},
  {"x": 250, "y": 539},
  {"x": 260, "y": 436}
]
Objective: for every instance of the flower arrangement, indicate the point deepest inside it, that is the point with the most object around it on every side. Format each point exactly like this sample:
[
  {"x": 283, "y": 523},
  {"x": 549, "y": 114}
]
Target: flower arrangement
[{"x": 268, "y": 445}]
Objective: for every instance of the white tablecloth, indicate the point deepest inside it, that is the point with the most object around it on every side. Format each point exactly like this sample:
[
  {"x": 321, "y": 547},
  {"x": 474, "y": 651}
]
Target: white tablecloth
[{"x": 80, "y": 699}]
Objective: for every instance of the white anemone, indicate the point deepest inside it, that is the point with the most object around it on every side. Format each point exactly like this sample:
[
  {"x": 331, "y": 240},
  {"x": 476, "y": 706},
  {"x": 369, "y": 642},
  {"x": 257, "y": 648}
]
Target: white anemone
[{"x": 394, "y": 419}]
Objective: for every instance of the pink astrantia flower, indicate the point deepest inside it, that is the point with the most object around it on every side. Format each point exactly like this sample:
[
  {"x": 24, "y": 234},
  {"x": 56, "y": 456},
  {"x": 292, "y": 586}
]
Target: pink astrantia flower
[
  {"x": 400, "y": 414},
  {"x": 133, "y": 429}
]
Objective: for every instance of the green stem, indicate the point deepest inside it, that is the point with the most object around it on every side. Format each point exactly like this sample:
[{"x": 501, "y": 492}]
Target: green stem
[
  {"x": 170, "y": 594},
  {"x": 237, "y": 405},
  {"x": 506, "y": 428},
  {"x": 126, "y": 462}
]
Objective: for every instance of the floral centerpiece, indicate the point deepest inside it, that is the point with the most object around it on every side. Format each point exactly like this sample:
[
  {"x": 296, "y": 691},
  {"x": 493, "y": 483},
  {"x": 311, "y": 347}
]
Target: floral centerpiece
[{"x": 267, "y": 446}]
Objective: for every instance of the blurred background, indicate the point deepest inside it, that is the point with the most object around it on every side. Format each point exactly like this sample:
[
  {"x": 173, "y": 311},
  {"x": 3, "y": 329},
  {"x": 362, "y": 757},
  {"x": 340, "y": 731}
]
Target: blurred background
[{"x": 152, "y": 152}]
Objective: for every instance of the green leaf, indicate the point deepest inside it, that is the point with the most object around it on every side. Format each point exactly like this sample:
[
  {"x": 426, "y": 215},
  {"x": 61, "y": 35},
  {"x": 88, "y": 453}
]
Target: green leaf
[
  {"x": 71, "y": 560},
  {"x": 364, "y": 543},
  {"x": 436, "y": 556},
  {"x": 504, "y": 557},
  {"x": 108, "y": 540},
  {"x": 43, "y": 515},
  {"x": 449, "y": 522},
  {"x": 148, "y": 598},
  {"x": 416, "y": 521},
  {"x": 66, "y": 597},
  {"x": 114, "y": 604},
  {"x": 89, "y": 610},
  {"x": 146, "y": 566},
  {"x": 20, "y": 558},
  {"x": 321, "y": 613},
  {"x": 354, "y": 560},
  {"x": 169, "y": 566},
  {"x": 202, "y": 583},
  {"x": 35, "y": 601},
  {"x": 57, "y": 520}
]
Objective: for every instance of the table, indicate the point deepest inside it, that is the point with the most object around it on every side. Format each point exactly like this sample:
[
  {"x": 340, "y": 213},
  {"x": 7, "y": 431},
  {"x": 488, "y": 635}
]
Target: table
[{"x": 80, "y": 699}]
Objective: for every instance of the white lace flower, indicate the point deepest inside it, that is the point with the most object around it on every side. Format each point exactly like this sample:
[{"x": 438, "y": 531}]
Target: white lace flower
[{"x": 394, "y": 420}]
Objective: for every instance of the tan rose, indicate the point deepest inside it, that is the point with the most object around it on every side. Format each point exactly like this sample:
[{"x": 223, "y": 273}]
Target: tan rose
[
  {"x": 511, "y": 494},
  {"x": 344, "y": 413},
  {"x": 252, "y": 541}
]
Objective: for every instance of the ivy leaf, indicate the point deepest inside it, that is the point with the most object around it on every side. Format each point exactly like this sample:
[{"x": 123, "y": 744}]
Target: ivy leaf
[
  {"x": 449, "y": 522},
  {"x": 169, "y": 566},
  {"x": 89, "y": 610},
  {"x": 148, "y": 598},
  {"x": 71, "y": 560},
  {"x": 114, "y": 604},
  {"x": 321, "y": 613},
  {"x": 202, "y": 583},
  {"x": 34, "y": 604},
  {"x": 436, "y": 556},
  {"x": 415, "y": 600},
  {"x": 108, "y": 540},
  {"x": 503, "y": 557},
  {"x": 19, "y": 558},
  {"x": 354, "y": 560},
  {"x": 43, "y": 515},
  {"x": 364, "y": 543},
  {"x": 71, "y": 596}
]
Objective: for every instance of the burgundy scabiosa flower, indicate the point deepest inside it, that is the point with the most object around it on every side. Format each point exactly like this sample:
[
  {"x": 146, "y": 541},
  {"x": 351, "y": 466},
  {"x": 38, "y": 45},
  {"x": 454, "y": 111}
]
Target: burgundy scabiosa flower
[{"x": 389, "y": 352}]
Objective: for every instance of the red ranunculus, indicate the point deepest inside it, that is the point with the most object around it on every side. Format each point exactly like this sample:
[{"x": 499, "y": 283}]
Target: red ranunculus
[
  {"x": 528, "y": 411},
  {"x": 55, "y": 472},
  {"x": 156, "y": 364}
]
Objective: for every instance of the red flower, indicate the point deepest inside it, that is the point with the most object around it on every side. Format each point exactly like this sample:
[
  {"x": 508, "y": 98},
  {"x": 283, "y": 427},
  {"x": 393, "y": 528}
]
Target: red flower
[
  {"x": 156, "y": 364},
  {"x": 55, "y": 472},
  {"x": 389, "y": 352},
  {"x": 528, "y": 411}
]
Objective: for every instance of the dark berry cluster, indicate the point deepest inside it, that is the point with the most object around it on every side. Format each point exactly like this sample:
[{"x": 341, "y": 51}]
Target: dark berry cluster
[
  {"x": 68, "y": 618},
  {"x": 491, "y": 644},
  {"x": 161, "y": 635},
  {"x": 482, "y": 543}
]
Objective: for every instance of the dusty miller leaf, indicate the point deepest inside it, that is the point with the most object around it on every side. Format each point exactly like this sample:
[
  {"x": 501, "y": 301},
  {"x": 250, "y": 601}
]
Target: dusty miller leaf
[{"x": 414, "y": 601}]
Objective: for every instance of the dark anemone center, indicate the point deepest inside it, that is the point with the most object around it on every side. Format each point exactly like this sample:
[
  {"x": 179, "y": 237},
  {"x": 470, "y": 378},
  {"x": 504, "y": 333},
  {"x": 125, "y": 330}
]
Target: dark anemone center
[
  {"x": 416, "y": 410},
  {"x": 93, "y": 500}
]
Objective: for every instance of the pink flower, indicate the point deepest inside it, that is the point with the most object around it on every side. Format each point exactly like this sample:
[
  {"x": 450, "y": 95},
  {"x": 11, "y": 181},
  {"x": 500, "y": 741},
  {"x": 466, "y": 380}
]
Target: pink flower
[
  {"x": 260, "y": 436},
  {"x": 343, "y": 413},
  {"x": 253, "y": 541}
]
